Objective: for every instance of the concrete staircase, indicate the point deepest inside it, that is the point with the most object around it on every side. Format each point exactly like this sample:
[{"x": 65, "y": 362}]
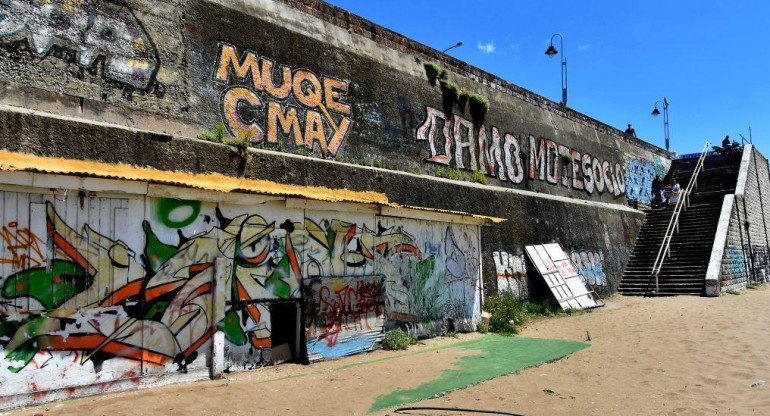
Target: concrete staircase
[{"x": 685, "y": 271}]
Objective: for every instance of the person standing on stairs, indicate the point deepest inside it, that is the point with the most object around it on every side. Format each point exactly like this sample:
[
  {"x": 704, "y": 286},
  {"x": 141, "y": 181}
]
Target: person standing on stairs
[
  {"x": 657, "y": 192},
  {"x": 676, "y": 191}
]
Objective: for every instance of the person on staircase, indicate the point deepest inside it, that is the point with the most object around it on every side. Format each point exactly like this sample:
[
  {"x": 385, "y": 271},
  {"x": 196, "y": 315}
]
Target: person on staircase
[
  {"x": 676, "y": 191},
  {"x": 657, "y": 192}
]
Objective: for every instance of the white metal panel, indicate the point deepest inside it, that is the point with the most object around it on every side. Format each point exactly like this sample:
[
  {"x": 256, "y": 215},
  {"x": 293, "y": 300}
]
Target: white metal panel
[{"x": 561, "y": 276}]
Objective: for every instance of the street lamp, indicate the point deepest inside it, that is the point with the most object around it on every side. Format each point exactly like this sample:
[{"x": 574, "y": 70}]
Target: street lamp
[
  {"x": 457, "y": 45},
  {"x": 656, "y": 112},
  {"x": 551, "y": 52}
]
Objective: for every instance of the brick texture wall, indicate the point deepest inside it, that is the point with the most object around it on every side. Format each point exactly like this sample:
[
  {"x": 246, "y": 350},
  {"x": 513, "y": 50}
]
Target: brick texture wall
[{"x": 745, "y": 257}]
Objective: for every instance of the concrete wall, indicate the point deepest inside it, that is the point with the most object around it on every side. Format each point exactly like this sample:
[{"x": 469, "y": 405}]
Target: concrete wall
[
  {"x": 743, "y": 238},
  {"x": 326, "y": 99},
  {"x": 100, "y": 287},
  {"x": 306, "y": 78}
]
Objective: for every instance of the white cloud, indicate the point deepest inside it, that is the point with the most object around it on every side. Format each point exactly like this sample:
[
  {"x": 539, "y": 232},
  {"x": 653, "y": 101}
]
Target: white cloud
[
  {"x": 487, "y": 47},
  {"x": 515, "y": 46},
  {"x": 582, "y": 48}
]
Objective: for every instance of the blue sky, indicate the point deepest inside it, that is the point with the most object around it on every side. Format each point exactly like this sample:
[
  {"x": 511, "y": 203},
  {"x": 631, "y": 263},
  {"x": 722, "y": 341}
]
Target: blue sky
[{"x": 710, "y": 59}]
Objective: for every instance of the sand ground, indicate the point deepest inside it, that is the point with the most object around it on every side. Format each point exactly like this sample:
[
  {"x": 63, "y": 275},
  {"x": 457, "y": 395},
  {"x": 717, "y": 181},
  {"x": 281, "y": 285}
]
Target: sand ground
[{"x": 666, "y": 356}]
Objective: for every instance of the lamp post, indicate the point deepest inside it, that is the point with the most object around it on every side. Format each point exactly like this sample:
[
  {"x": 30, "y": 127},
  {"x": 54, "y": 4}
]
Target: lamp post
[
  {"x": 551, "y": 52},
  {"x": 457, "y": 45},
  {"x": 656, "y": 113}
]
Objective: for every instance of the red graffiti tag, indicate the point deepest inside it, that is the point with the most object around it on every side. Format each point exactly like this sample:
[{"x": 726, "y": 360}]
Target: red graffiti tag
[{"x": 348, "y": 308}]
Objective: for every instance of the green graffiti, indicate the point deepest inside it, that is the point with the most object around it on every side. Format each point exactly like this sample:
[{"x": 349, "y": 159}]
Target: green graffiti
[
  {"x": 7, "y": 329},
  {"x": 156, "y": 251},
  {"x": 424, "y": 268},
  {"x": 167, "y": 211},
  {"x": 331, "y": 237},
  {"x": 156, "y": 310},
  {"x": 25, "y": 352},
  {"x": 51, "y": 288},
  {"x": 424, "y": 293},
  {"x": 232, "y": 328},
  {"x": 276, "y": 283}
]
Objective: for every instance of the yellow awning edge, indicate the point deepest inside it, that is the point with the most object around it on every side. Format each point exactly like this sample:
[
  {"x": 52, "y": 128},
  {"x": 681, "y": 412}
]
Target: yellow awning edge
[{"x": 18, "y": 161}]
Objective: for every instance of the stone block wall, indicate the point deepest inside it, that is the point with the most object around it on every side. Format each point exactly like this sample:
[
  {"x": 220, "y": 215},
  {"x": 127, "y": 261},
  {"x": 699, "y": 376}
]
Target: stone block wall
[{"x": 746, "y": 243}]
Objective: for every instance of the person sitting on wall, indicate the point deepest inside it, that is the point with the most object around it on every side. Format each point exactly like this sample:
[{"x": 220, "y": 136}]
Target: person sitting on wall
[
  {"x": 657, "y": 192},
  {"x": 676, "y": 192},
  {"x": 630, "y": 130},
  {"x": 726, "y": 142}
]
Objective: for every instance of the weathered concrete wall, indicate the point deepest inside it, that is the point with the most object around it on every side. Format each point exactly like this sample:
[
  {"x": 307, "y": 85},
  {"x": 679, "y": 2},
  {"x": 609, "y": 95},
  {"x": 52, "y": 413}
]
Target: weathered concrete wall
[
  {"x": 606, "y": 230},
  {"x": 319, "y": 93},
  {"x": 745, "y": 255},
  {"x": 99, "y": 287},
  {"x": 331, "y": 84}
]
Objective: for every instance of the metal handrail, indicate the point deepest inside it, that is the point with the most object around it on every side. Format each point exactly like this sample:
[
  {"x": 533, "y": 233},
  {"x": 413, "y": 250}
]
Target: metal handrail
[{"x": 673, "y": 225}]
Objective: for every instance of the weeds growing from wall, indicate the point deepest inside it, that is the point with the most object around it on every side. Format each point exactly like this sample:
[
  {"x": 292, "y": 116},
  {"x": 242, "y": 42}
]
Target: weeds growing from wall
[
  {"x": 462, "y": 100},
  {"x": 479, "y": 106},
  {"x": 454, "y": 174},
  {"x": 217, "y": 137},
  {"x": 432, "y": 71},
  {"x": 449, "y": 95},
  {"x": 479, "y": 177}
]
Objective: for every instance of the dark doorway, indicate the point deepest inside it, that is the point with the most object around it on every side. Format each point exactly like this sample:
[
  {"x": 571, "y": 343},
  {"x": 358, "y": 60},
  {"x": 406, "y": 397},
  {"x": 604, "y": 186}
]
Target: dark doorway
[{"x": 285, "y": 331}]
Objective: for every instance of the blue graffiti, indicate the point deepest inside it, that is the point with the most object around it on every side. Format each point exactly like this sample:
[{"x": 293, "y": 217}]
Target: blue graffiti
[
  {"x": 659, "y": 167},
  {"x": 639, "y": 177},
  {"x": 589, "y": 266},
  {"x": 734, "y": 263}
]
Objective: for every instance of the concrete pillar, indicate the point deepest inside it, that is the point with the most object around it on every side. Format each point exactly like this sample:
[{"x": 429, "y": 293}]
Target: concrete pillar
[{"x": 218, "y": 304}]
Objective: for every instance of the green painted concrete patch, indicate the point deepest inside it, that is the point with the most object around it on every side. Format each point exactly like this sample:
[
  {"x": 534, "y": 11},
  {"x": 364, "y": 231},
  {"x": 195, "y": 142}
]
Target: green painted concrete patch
[
  {"x": 497, "y": 356},
  {"x": 407, "y": 354}
]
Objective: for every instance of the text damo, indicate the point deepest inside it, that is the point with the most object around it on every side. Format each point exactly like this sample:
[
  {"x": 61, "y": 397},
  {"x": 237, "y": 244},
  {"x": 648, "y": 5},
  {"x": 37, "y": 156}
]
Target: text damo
[
  {"x": 317, "y": 97},
  {"x": 501, "y": 156}
]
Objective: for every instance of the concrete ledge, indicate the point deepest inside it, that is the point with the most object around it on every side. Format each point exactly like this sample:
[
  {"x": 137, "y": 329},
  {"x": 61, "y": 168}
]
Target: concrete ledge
[
  {"x": 743, "y": 173},
  {"x": 125, "y": 384},
  {"x": 714, "y": 270},
  {"x": 48, "y": 135}
]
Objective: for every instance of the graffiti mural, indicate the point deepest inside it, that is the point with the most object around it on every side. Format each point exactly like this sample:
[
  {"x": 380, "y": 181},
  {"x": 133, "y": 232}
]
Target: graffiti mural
[
  {"x": 590, "y": 267},
  {"x": 511, "y": 273},
  {"x": 98, "y": 289},
  {"x": 94, "y": 35},
  {"x": 511, "y": 270},
  {"x": 639, "y": 177},
  {"x": 500, "y": 156},
  {"x": 733, "y": 264},
  {"x": 760, "y": 261},
  {"x": 346, "y": 315},
  {"x": 302, "y": 109}
]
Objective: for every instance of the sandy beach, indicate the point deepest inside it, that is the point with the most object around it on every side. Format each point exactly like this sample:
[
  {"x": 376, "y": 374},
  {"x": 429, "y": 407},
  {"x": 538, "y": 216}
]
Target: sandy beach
[{"x": 664, "y": 356}]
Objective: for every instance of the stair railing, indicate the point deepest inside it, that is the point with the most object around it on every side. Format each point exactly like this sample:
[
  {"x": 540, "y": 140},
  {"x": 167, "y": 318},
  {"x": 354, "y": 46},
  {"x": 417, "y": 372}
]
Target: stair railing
[{"x": 673, "y": 225}]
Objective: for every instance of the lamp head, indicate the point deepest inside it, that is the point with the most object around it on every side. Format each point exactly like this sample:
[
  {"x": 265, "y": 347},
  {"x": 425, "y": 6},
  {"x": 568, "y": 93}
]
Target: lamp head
[
  {"x": 460, "y": 43},
  {"x": 551, "y": 51},
  {"x": 655, "y": 112}
]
